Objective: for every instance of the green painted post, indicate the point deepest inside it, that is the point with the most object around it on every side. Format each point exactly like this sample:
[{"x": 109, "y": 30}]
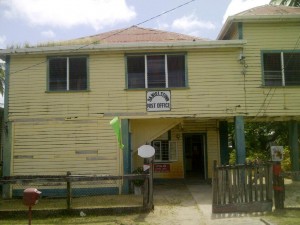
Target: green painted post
[
  {"x": 223, "y": 134},
  {"x": 240, "y": 146},
  {"x": 126, "y": 152},
  {"x": 294, "y": 147},
  {"x": 240, "y": 30},
  {"x": 7, "y": 133}
]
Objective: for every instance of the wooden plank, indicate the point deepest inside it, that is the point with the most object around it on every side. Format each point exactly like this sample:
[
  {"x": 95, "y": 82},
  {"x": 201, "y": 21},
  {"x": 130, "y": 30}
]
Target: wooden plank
[{"x": 265, "y": 206}]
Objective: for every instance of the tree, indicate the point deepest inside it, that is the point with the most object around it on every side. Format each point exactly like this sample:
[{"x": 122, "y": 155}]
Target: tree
[
  {"x": 2, "y": 77},
  {"x": 259, "y": 136},
  {"x": 294, "y": 3}
]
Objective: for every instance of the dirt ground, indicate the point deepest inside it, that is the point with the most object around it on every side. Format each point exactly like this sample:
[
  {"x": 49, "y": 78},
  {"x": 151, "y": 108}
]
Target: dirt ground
[{"x": 176, "y": 202}]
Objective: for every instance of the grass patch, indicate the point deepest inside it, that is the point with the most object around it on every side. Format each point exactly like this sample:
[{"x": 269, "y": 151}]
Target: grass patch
[
  {"x": 90, "y": 220},
  {"x": 284, "y": 217},
  {"x": 106, "y": 201}
]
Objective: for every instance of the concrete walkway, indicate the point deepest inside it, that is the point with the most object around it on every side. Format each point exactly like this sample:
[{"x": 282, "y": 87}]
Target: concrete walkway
[
  {"x": 202, "y": 194},
  {"x": 189, "y": 203}
]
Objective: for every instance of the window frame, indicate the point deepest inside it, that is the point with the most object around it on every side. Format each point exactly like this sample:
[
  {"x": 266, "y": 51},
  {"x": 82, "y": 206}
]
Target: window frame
[
  {"x": 170, "y": 159},
  {"x": 68, "y": 73},
  {"x": 282, "y": 66},
  {"x": 165, "y": 54}
]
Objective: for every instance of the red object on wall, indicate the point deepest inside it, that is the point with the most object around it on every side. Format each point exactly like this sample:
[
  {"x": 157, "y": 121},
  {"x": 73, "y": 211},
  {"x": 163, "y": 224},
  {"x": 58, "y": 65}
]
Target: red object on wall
[{"x": 161, "y": 168}]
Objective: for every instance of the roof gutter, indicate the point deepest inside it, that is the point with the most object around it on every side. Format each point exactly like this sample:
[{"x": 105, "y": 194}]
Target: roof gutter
[{"x": 125, "y": 47}]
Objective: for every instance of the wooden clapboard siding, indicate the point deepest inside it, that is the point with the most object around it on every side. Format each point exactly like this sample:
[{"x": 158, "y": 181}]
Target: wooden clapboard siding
[
  {"x": 57, "y": 147},
  {"x": 207, "y": 71},
  {"x": 269, "y": 101}
]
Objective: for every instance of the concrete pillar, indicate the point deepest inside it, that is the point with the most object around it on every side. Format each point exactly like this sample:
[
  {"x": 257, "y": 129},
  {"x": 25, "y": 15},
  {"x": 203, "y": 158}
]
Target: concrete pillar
[{"x": 223, "y": 135}]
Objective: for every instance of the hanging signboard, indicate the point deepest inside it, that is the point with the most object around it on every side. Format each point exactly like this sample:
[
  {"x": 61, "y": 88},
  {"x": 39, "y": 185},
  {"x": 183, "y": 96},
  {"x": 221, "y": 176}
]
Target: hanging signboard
[
  {"x": 162, "y": 168},
  {"x": 277, "y": 153},
  {"x": 158, "y": 101}
]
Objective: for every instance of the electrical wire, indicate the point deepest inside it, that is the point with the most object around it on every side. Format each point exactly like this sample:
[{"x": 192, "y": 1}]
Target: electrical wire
[
  {"x": 123, "y": 30},
  {"x": 283, "y": 69}
]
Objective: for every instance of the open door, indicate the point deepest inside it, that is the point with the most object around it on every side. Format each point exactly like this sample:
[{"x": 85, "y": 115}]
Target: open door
[{"x": 195, "y": 156}]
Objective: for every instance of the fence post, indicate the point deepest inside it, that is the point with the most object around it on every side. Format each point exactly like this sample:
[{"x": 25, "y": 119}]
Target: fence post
[
  {"x": 69, "y": 190},
  {"x": 146, "y": 193},
  {"x": 278, "y": 186},
  {"x": 151, "y": 170},
  {"x": 215, "y": 185}
]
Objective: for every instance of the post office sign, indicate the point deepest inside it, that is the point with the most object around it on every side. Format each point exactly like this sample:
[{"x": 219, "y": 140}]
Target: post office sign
[{"x": 158, "y": 101}]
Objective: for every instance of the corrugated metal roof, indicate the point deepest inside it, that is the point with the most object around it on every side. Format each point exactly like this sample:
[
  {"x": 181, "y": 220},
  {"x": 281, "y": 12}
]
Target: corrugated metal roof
[
  {"x": 136, "y": 34},
  {"x": 270, "y": 13},
  {"x": 266, "y": 10}
]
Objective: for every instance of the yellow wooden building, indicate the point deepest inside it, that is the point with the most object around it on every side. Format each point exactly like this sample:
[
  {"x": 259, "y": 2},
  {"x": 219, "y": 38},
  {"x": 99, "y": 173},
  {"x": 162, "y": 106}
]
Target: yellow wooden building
[{"x": 172, "y": 91}]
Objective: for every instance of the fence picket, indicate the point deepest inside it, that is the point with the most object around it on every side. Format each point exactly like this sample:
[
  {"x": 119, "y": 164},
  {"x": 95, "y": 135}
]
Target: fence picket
[{"x": 242, "y": 188}]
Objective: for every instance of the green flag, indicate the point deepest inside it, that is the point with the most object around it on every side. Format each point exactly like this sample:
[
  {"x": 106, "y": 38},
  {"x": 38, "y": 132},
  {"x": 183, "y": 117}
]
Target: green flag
[{"x": 115, "y": 123}]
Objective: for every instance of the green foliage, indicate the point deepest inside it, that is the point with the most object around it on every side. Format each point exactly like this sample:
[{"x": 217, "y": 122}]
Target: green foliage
[
  {"x": 232, "y": 157},
  {"x": 286, "y": 164},
  {"x": 2, "y": 79},
  {"x": 294, "y": 3},
  {"x": 138, "y": 170},
  {"x": 259, "y": 137}
]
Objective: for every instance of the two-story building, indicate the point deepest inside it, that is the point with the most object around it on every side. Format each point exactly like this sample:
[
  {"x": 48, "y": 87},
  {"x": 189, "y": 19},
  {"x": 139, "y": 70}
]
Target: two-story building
[{"x": 173, "y": 91}]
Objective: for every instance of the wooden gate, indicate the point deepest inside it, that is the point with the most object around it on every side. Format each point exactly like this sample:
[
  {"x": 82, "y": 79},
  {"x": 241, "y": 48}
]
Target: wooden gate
[{"x": 242, "y": 188}]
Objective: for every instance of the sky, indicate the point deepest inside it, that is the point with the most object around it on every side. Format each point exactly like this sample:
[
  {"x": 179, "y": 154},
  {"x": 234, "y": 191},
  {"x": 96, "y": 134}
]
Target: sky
[{"x": 39, "y": 21}]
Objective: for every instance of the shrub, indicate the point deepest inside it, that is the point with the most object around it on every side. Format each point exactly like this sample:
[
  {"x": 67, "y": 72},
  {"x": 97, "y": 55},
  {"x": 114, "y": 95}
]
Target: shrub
[{"x": 138, "y": 182}]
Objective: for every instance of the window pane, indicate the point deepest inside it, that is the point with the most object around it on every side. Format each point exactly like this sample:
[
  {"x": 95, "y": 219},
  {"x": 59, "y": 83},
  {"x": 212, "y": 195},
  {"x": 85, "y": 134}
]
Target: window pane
[
  {"x": 176, "y": 70},
  {"x": 58, "y": 74},
  {"x": 292, "y": 68},
  {"x": 156, "y": 71},
  {"x": 272, "y": 69},
  {"x": 157, "y": 147},
  {"x": 136, "y": 71},
  {"x": 78, "y": 73},
  {"x": 165, "y": 150}
]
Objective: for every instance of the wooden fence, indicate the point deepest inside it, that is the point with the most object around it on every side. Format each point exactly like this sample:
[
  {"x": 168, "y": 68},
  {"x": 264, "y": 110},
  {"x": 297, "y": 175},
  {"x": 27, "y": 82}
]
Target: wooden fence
[
  {"x": 242, "y": 188},
  {"x": 66, "y": 188}
]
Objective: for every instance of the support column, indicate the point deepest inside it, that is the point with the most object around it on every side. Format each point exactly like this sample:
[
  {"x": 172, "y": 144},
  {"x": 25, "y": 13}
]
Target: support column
[
  {"x": 223, "y": 135},
  {"x": 7, "y": 134},
  {"x": 240, "y": 146},
  {"x": 294, "y": 146},
  {"x": 126, "y": 152}
]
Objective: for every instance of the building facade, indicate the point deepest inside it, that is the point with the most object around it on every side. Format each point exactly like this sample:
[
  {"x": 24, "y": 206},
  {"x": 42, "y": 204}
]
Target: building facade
[{"x": 172, "y": 91}]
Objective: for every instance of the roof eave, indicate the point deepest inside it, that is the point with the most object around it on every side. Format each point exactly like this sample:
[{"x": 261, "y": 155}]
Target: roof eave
[
  {"x": 124, "y": 47},
  {"x": 259, "y": 18}
]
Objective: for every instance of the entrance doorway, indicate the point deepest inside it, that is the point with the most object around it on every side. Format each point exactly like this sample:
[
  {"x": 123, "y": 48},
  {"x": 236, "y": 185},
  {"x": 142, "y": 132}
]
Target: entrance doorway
[{"x": 195, "y": 156}]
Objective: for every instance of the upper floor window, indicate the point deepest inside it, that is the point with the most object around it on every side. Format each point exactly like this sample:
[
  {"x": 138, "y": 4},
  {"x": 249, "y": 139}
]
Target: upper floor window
[
  {"x": 156, "y": 71},
  {"x": 67, "y": 73},
  {"x": 281, "y": 68}
]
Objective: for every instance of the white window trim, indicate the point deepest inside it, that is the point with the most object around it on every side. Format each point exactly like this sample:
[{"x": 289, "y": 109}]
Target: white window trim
[{"x": 169, "y": 152}]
